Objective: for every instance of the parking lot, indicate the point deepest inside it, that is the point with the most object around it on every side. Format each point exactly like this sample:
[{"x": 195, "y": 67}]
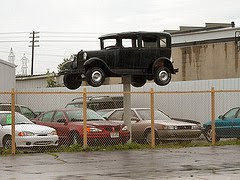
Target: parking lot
[{"x": 185, "y": 163}]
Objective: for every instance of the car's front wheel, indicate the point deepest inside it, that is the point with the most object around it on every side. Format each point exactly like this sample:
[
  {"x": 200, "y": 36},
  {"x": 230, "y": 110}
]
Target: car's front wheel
[
  {"x": 162, "y": 76},
  {"x": 138, "y": 81},
  {"x": 95, "y": 76},
  {"x": 75, "y": 138},
  {"x": 72, "y": 81},
  {"x": 208, "y": 135}
]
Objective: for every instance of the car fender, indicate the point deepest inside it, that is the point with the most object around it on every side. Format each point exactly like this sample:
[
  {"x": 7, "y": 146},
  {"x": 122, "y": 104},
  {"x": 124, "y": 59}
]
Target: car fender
[
  {"x": 164, "y": 61},
  {"x": 95, "y": 60},
  {"x": 148, "y": 128}
]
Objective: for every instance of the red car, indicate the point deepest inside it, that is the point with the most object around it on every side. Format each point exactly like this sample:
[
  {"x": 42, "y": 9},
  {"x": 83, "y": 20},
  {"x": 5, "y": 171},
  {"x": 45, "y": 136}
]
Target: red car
[{"x": 69, "y": 126}]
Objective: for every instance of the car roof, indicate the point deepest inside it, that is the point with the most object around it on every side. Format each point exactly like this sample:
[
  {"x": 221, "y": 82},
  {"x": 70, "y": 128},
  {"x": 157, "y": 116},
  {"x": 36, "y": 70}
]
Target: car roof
[
  {"x": 7, "y": 104},
  {"x": 3, "y": 112},
  {"x": 135, "y": 33}
]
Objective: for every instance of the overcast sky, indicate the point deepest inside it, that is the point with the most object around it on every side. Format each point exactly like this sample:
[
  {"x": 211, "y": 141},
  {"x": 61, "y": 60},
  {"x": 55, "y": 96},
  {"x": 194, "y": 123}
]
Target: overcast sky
[{"x": 85, "y": 20}]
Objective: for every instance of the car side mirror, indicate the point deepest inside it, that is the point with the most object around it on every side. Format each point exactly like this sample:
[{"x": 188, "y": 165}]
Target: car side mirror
[
  {"x": 135, "y": 119},
  {"x": 221, "y": 117}
]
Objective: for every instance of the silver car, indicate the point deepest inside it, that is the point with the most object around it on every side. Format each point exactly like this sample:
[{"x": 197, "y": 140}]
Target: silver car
[{"x": 166, "y": 129}]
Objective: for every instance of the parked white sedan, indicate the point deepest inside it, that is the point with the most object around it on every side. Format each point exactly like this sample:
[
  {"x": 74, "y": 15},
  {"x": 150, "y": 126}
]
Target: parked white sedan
[{"x": 27, "y": 133}]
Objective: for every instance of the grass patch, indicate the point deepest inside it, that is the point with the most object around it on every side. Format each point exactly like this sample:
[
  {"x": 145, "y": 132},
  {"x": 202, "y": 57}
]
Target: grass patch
[{"x": 128, "y": 146}]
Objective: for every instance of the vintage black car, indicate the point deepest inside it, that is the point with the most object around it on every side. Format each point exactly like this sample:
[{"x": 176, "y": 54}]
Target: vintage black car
[{"x": 143, "y": 55}]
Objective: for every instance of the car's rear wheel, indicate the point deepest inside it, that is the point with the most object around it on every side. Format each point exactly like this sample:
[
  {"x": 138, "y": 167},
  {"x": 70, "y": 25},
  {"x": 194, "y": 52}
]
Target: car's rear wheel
[
  {"x": 162, "y": 76},
  {"x": 95, "y": 76},
  {"x": 72, "y": 81},
  {"x": 208, "y": 135},
  {"x": 138, "y": 81},
  {"x": 7, "y": 142}
]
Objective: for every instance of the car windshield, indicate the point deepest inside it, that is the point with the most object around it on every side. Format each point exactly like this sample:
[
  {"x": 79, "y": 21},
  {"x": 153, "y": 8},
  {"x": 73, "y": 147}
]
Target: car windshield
[
  {"x": 6, "y": 119},
  {"x": 77, "y": 115},
  {"x": 145, "y": 114}
]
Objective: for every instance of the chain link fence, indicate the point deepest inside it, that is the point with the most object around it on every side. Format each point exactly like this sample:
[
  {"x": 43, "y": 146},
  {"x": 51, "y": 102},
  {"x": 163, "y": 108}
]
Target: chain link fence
[{"x": 44, "y": 120}]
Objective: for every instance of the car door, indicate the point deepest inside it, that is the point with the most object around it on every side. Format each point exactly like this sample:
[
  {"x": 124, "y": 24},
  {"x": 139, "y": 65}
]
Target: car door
[
  {"x": 236, "y": 126},
  {"x": 224, "y": 126},
  {"x": 60, "y": 124},
  {"x": 129, "y": 55}
]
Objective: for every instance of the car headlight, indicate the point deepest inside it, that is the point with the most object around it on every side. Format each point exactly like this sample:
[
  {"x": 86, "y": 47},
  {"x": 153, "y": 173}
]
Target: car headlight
[
  {"x": 25, "y": 133},
  {"x": 124, "y": 128},
  {"x": 84, "y": 56},
  {"x": 170, "y": 127},
  {"x": 54, "y": 132},
  {"x": 93, "y": 129},
  {"x": 197, "y": 126}
]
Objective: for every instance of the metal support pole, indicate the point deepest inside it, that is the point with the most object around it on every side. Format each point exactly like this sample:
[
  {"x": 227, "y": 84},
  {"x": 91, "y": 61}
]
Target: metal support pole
[
  {"x": 152, "y": 118},
  {"x": 84, "y": 118},
  {"x": 33, "y": 40},
  {"x": 213, "y": 115},
  {"x": 126, "y": 80},
  {"x": 13, "y": 122}
]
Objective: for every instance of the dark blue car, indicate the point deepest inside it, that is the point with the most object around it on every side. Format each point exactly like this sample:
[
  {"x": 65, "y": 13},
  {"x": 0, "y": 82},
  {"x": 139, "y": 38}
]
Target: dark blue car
[{"x": 226, "y": 126}]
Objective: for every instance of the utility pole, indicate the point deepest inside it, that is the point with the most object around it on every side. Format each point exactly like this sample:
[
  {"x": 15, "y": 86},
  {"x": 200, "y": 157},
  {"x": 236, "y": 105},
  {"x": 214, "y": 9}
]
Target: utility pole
[{"x": 33, "y": 37}]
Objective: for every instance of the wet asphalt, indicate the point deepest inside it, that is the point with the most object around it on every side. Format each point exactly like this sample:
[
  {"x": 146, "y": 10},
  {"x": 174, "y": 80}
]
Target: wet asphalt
[{"x": 185, "y": 163}]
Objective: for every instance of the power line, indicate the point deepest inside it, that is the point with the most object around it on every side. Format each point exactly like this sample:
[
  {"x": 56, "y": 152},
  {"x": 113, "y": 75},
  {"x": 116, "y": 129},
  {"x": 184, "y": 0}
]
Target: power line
[
  {"x": 13, "y": 41},
  {"x": 70, "y": 32},
  {"x": 83, "y": 41},
  {"x": 14, "y": 33}
]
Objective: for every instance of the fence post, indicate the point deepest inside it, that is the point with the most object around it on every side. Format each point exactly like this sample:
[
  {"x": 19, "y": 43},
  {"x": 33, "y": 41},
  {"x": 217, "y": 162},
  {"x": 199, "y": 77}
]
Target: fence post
[
  {"x": 213, "y": 115},
  {"x": 84, "y": 118},
  {"x": 152, "y": 118},
  {"x": 13, "y": 121}
]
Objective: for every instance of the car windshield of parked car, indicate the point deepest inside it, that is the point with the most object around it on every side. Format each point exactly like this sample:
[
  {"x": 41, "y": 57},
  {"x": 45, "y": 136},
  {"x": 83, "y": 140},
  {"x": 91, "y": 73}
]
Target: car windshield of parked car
[
  {"x": 231, "y": 113},
  {"x": 77, "y": 115},
  {"x": 6, "y": 119},
  {"x": 145, "y": 114}
]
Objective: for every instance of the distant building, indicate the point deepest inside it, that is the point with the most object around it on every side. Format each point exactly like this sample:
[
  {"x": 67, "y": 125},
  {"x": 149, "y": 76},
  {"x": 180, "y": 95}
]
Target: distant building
[
  {"x": 25, "y": 62},
  {"x": 11, "y": 57}
]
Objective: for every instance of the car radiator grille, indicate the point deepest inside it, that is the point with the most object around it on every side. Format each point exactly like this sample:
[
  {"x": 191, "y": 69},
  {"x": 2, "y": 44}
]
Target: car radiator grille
[
  {"x": 112, "y": 129},
  {"x": 43, "y": 143},
  {"x": 184, "y": 127}
]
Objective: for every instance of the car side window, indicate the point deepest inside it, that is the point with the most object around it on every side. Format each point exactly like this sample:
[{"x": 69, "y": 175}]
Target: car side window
[
  {"x": 47, "y": 117},
  {"x": 238, "y": 114},
  {"x": 163, "y": 41},
  {"x": 28, "y": 113},
  {"x": 231, "y": 113},
  {"x": 149, "y": 41},
  {"x": 133, "y": 114},
  {"x": 116, "y": 116},
  {"x": 59, "y": 117}
]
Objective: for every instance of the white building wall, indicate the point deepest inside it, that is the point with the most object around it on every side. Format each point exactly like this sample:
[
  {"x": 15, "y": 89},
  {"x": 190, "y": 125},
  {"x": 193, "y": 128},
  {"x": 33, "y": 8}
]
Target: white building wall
[{"x": 7, "y": 79}]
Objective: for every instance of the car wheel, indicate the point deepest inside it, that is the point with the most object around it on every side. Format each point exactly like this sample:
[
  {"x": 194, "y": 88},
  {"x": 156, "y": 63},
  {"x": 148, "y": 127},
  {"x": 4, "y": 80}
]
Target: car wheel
[
  {"x": 7, "y": 142},
  {"x": 72, "y": 81},
  {"x": 148, "y": 138},
  {"x": 75, "y": 138},
  {"x": 208, "y": 135},
  {"x": 138, "y": 81},
  {"x": 162, "y": 76},
  {"x": 95, "y": 76}
]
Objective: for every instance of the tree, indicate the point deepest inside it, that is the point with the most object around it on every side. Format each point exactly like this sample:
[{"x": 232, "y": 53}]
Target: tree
[{"x": 60, "y": 66}]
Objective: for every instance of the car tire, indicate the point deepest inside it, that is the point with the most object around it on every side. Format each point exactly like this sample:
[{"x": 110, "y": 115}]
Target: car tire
[
  {"x": 7, "y": 142},
  {"x": 162, "y": 76},
  {"x": 95, "y": 76},
  {"x": 72, "y": 81},
  {"x": 148, "y": 138},
  {"x": 138, "y": 81},
  {"x": 75, "y": 138},
  {"x": 208, "y": 135}
]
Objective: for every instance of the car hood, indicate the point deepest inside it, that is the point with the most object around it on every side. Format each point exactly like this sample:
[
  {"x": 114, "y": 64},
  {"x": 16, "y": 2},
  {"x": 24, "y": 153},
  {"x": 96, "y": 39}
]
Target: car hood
[
  {"x": 34, "y": 128},
  {"x": 173, "y": 123}
]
